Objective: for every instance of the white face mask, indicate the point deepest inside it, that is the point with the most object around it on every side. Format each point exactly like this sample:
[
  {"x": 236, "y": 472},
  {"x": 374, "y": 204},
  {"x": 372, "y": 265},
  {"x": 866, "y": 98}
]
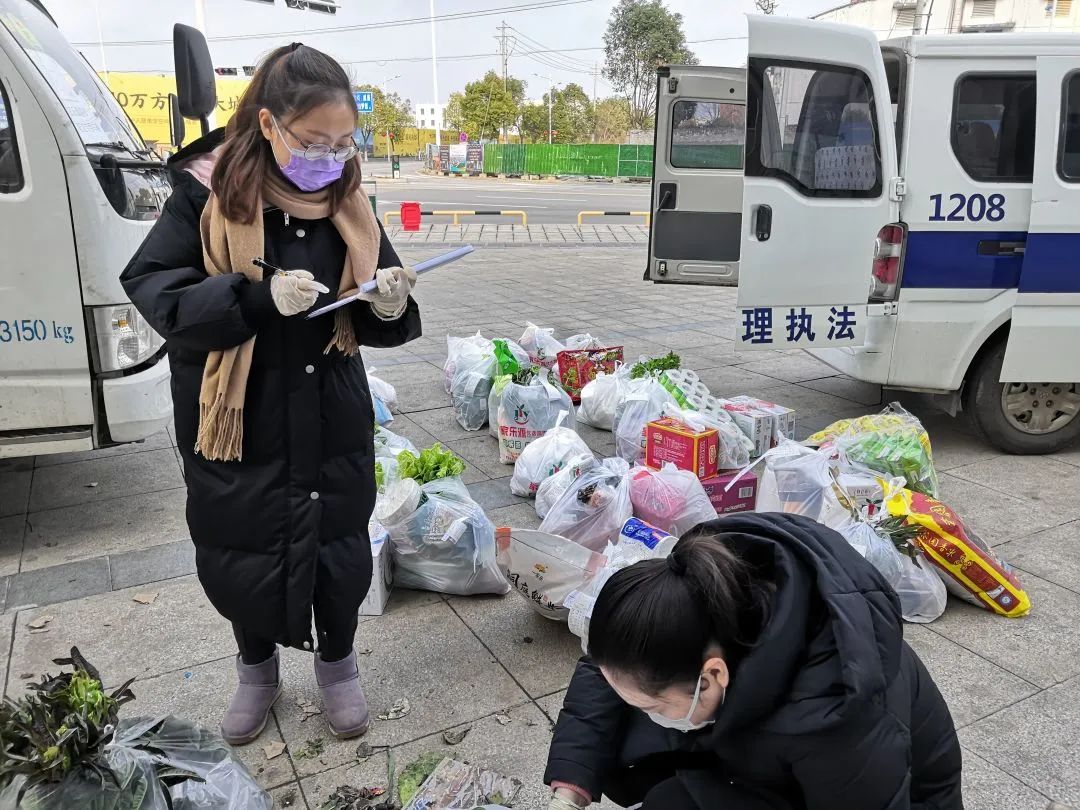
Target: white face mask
[{"x": 686, "y": 724}]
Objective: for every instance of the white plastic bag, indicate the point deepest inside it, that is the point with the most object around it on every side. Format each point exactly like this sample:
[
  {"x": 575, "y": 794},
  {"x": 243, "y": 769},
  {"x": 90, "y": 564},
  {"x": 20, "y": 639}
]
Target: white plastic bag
[
  {"x": 446, "y": 544},
  {"x": 545, "y": 457},
  {"x": 527, "y": 412},
  {"x": 599, "y": 399},
  {"x": 390, "y": 444},
  {"x": 877, "y": 550},
  {"x": 552, "y": 488},
  {"x": 923, "y": 595},
  {"x": 735, "y": 446},
  {"x": 594, "y": 508},
  {"x": 454, "y": 347},
  {"x": 583, "y": 342},
  {"x": 642, "y": 402},
  {"x": 541, "y": 345},
  {"x": 543, "y": 568},
  {"x": 474, "y": 371},
  {"x": 671, "y": 499}
]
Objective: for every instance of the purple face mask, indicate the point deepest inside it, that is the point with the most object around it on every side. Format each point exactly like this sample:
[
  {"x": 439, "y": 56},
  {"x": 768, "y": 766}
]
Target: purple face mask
[{"x": 307, "y": 174}]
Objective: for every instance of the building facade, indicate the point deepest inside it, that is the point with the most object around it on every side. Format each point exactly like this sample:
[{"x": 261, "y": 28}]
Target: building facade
[
  {"x": 429, "y": 116},
  {"x": 896, "y": 18}
]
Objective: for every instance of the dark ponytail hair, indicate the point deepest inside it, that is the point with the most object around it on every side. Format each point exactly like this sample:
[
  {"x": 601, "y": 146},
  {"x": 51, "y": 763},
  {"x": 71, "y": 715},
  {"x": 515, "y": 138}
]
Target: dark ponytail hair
[
  {"x": 655, "y": 620},
  {"x": 289, "y": 82}
]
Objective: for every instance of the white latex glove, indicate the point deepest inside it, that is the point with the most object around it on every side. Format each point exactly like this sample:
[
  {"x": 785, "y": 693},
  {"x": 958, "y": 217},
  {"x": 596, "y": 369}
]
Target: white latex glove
[
  {"x": 295, "y": 291},
  {"x": 562, "y": 801},
  {"x": 395, "y": 285}
]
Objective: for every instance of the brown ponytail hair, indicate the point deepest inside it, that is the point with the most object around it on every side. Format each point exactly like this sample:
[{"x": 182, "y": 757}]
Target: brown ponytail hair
[{"x": 289, "y": 82}]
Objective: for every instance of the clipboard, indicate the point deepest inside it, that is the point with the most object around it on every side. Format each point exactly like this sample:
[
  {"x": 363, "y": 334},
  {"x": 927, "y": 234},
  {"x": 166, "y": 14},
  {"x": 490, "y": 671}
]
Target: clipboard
[{"x": 419, "y": 268}]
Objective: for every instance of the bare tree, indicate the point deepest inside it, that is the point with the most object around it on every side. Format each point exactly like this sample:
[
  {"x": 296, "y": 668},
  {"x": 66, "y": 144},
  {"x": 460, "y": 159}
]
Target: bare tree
[{"x": 767, "y": 6}]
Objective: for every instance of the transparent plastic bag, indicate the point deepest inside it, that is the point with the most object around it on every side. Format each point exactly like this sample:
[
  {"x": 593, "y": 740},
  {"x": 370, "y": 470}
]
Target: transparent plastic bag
[
  {"x": 583, "y": 342},
  {"x": 541, "y": 345},
  {"x": 454, "y": 348},
  {"x": 599, "y": 400},
  {"x": 735, "y": 446},
  {"x": 543, "y": 568},
  {"x": 553, "y": 487},
  {"x": 877, "y": 550},
  {"x": 389, "y": 444},
  {"x": 527, "y": 412},
  {"x": 383, "y": 398},
  {"x": 671, "y": 499},
  {"x": 643, "y": 401},
  {"x": 142, "y": 748},
  {"x": 922, "y": 593},
  {"x": 594, "y": 507},
  {"x": 446, "y": 544},
  {"x": 474, "y": 371},
  {"x": 545, "y": 457}
]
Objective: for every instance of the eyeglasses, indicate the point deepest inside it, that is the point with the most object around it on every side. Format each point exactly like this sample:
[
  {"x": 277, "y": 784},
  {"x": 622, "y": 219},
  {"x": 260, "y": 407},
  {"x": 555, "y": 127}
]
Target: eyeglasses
[{"x": 318, "y": 151}]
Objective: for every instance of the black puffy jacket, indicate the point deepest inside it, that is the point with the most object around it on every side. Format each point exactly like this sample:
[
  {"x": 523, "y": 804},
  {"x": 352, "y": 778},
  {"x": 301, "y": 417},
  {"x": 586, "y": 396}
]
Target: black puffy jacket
[
  {"x": 831, "y": 710},
  {"x": 305, "y": 487}
]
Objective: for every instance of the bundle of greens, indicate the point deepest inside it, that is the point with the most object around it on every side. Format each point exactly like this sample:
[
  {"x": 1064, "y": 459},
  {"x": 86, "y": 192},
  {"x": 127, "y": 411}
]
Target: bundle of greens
[
  {"x": 655, "y": 366},
  {"x": 433, "y": 463}
]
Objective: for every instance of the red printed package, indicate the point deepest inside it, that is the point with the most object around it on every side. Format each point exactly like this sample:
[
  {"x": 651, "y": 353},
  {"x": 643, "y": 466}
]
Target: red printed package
[
  {"x": 669, "y": 440},
  {"x": 579, "y": 367},
  {"x": 742, "y": 497}
]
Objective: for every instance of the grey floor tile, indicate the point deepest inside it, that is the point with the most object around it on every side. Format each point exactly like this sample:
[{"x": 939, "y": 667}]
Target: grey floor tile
[
  {"x": 1043, "y": 647},
  {"x": 7, "y": 631},
  {"x": 552, "y": 704},
  {"x": 987, "y": 787},
  {"x": 14, "y": 491},
  {"x": 1041, "y": 733},
  {"x": 972, "y": 686},
  {"x": 537, "y": 651},
  {"x": 1053, "y": 554},
  {"x": 413, "y": 397},
  {"x": 496, "y": 493},
  {"x": 791, "y": 368},
  {"x": 290, "y": 795},
  {"x": 995, "y": 515},
  {"x": 1036, "y": 479},
  {"x": 12, "y": 530},
  {"x": 115, "y": 526},
  {"x": 104, "y": 478},
  {"x": 443, "y": 425},
  {"x": 154, "y": 564},
  {"x": 954, "y": 449},
  {"x": 857, "y": 391},
  {"x": 159, "y": 441},
  {"x": 518, "y": 516},
  {"x": 482, "y": 452},
  {"x": 59, "y": 583},
  {"x": 421, "y": 373}
]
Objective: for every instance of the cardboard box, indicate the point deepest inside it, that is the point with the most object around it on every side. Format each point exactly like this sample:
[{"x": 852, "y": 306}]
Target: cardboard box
[
  {"x": 579, "y": 367},
  {"x": 382, "y": 579},
  {"x": 670, "y": 441},
  {"x": 783, "y": 417},
  {"x": 754, "y": 422},
  {"x": 740, "y": 498}
]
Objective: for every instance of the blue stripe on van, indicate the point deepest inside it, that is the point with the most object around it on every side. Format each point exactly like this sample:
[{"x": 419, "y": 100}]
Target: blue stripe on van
[
  {"x": 951, "y": 259},
  {"x": 1051, "y": 263}
]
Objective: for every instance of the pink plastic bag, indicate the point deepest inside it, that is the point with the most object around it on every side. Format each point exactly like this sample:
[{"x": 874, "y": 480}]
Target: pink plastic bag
[{"x": 671, "y": 499}]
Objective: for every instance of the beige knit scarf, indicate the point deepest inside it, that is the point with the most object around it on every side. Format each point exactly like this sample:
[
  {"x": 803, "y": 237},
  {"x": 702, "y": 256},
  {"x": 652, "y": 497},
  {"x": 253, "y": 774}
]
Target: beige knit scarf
[{"x": 229, "y": 247}]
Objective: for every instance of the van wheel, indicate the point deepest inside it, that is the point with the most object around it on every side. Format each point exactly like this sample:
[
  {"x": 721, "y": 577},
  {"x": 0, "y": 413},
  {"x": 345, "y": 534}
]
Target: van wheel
[{"x": 1023, "y": 419}]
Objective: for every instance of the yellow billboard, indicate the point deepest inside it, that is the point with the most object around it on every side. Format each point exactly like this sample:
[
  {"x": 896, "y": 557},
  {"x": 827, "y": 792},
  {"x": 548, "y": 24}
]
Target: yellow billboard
[{"x": 145, "y": 98}]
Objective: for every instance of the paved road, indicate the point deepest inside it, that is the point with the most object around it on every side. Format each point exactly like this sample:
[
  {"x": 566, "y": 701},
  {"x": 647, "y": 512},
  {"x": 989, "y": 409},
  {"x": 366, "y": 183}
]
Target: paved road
[{"x": 543, "y": 202}]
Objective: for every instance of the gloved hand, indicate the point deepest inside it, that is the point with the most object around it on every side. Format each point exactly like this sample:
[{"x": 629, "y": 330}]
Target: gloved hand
[
  {"x": 295, "y": 291},
  {"x": 395, "y": 284},
  {"x": 565, "y": 800}
]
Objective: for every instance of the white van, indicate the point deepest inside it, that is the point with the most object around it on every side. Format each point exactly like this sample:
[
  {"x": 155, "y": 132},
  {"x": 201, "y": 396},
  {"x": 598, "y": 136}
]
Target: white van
[
  {"x": 909, "y": 212},
  {"x": 79, "y": 367}
]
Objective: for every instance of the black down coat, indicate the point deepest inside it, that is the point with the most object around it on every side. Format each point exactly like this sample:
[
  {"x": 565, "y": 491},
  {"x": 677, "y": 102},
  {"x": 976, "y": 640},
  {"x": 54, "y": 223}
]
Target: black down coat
[
  {"x": 307, "y": 472},
  {"x": 831, "y": 710}
]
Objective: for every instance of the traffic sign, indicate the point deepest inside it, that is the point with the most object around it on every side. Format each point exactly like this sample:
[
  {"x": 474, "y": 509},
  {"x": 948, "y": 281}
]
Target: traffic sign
[
  {"x": 365, "y": 101},
  {"x": 463, "y": 137}
]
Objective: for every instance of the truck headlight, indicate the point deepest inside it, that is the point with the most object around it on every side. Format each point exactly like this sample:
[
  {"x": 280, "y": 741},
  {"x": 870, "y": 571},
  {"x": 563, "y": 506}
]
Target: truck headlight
[{"x": 122, "y": 338}]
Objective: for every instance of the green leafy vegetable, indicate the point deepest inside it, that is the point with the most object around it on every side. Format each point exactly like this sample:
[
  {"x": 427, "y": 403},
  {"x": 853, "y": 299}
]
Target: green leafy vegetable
[
  {"x": 434, "y": 462},
  {"x": 652, "y": 367},
  {"x": 380, "y": 476}
]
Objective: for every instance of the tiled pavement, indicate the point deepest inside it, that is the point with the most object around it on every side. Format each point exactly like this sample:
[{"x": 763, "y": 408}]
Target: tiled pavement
[{"x": 81, "y": 534}]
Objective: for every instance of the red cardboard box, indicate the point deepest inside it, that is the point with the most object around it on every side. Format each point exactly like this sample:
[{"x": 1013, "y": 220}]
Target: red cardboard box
[
  {"x": 579, "y": 367},
  {"x": 670, "y": 441},
  {"x": 740, "y": 498}
]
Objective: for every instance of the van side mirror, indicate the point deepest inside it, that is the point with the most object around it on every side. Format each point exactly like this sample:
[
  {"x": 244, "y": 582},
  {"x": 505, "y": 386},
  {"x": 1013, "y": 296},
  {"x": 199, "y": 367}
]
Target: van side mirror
[
  {"x": 195, "y": 86},
  {"x": 176, "y": 122}
]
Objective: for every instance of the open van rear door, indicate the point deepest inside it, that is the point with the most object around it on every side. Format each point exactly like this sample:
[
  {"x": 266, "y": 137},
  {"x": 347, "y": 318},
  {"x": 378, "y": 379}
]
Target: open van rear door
[
  {"x": 1045, "y": 332},
  {"x": 697, "y": 175},
  {"x": 821, "y": 183}
]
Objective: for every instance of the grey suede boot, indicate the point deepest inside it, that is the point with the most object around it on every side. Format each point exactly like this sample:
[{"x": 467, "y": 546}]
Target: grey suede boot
[
  {"x": 259, "y": 688},
  {"x": 343, "y": 699}
]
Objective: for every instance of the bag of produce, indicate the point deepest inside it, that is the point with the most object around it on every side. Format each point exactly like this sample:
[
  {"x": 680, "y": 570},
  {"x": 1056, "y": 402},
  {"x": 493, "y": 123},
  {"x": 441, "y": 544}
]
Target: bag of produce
[
  {"x": 875, "y": 548},
  {"x": 541, "y": 345},
  {"x": 474, "y": 370},
  {"x": 594, "y": 507},
  {"x": 383, "y": 398},
  {"x": 553, "y": 487},
  {"x": 529, "y": 406},
  {"x": 545, "y": 457},
  {"x": 389, "y": 444},
  {"x": 455, "y": 346},
  {"x": 600, "y": 398},
  {"x": 510, "y": 361},
  {"x": 543, "y": 568},
  {"x": 735, "y": 446},
  {"x": 801, "y": 481},
  {"x": 642, "y": 401},
  {"x": 922, "y": 593},
  {"x": 579, "y": 367},
  {"x": 670, "y": 499},
  {"x": 893, "y": 442},
  {"x": 968, "y": 566},
  {"x": 445, "y": 543}
]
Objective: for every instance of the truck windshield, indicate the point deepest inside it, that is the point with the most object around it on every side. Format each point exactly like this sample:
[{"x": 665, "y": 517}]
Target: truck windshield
[{"x": 99, "y": 119}]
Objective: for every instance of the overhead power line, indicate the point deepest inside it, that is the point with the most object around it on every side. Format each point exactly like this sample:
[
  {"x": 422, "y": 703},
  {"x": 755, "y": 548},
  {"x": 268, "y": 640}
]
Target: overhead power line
[{"x": 535, "y": 5}]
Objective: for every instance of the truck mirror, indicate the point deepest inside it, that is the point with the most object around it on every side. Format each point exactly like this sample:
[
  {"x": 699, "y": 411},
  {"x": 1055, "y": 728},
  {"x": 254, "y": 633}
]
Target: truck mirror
[
  {"x": 195, "y": 86},
  {"x": 176, "y": 122}
]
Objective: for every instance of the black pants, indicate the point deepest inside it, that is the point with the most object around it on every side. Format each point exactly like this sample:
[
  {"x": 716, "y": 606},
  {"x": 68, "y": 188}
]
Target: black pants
[
  {"x": 339, "y": 591},
  {"x": 656, "y": 786}
]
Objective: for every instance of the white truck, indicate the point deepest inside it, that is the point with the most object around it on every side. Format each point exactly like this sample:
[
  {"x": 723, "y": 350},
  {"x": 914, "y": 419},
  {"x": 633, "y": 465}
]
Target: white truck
[
  {"x": 907, "y": 211},
  {"x": 79, "y": 190}
]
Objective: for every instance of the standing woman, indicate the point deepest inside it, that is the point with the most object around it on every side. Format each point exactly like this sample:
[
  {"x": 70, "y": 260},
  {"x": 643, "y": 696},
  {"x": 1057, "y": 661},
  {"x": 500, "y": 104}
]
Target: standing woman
[{"x": 273, "y": 415}]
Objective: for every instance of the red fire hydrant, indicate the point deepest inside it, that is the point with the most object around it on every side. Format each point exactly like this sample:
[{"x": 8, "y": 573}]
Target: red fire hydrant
[{"x": 410, "y": 216}]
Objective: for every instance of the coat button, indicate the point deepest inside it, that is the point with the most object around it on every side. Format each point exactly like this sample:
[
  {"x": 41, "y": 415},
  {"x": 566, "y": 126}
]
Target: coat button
[
  {"x": 307, "y": 645},
  {"x": 314, "y": 496},
  {"x": 309, "y": 369},
  {"x": 301, "y": 233}
]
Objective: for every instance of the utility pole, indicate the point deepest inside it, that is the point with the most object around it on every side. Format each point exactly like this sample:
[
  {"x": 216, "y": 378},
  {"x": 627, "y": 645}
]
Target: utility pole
[
  {"x": 389, "y": 143},
  {"x": 919, "y": 24},
  {"x": 435, "y": 75},
  {"x": 504, "y": 57},
  {"x": 551, "y": 99}
]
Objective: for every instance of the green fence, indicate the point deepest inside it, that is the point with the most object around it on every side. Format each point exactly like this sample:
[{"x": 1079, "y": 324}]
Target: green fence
[{"x": 584, "y": 160}]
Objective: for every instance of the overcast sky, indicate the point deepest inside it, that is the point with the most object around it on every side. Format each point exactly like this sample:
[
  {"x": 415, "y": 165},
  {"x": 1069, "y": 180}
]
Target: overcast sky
[{"x": 401, "y": 56}]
